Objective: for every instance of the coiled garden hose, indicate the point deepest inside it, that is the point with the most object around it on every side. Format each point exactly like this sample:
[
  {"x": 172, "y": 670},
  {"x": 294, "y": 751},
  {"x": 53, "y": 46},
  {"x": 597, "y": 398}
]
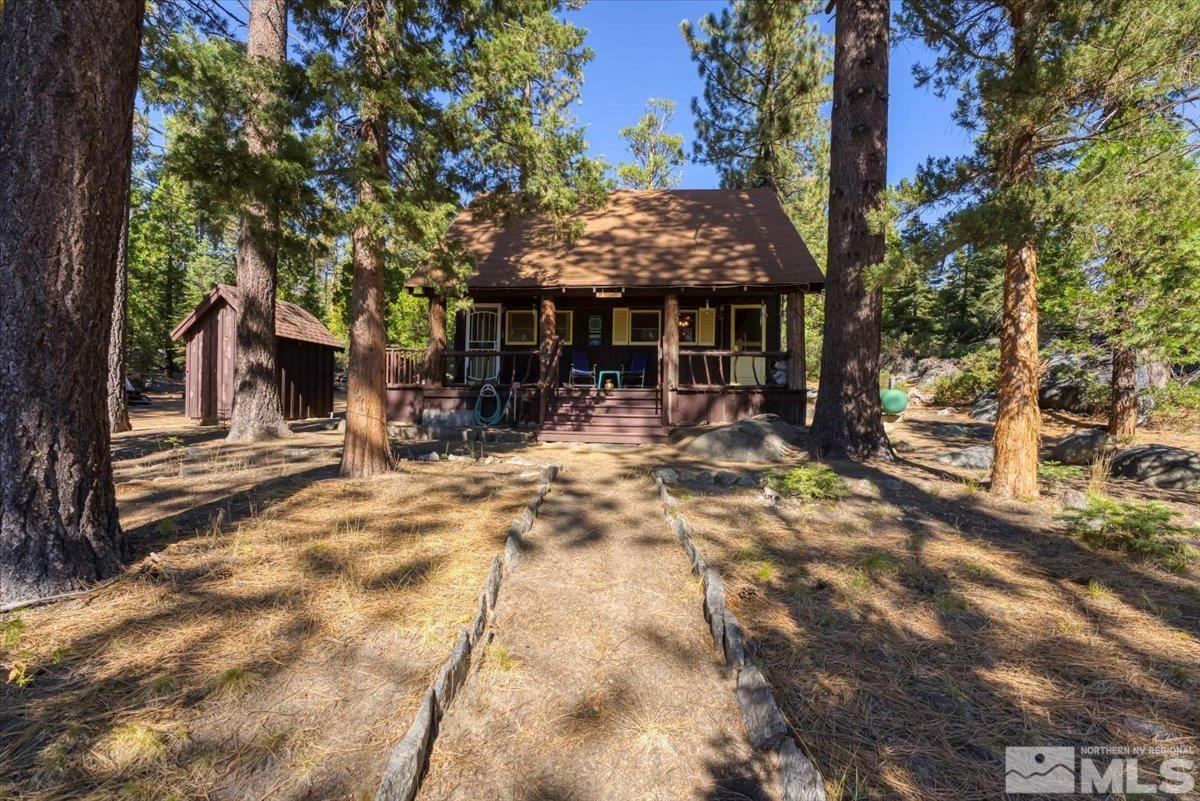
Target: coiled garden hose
[{"x": 488, "y": 391}]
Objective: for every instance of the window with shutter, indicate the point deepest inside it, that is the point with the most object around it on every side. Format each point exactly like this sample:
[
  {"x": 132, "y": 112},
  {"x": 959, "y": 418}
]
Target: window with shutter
[{"x": 620, "y": 328}]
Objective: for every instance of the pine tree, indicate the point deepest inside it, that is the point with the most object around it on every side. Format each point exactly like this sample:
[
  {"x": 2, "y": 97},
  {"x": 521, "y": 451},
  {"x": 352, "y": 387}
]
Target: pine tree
[
  {"x": 521, "y": 70},
  {"x": 1038, "y": 79},
  {"x": 68, "y": 72},
  {"x": 765, "y": 68},
  {"x": 656, "y": 153},
  {"x": 257, "y": 411},
  {"x": 1132, "y": 205},
  {"x": 848, "y": 416}
]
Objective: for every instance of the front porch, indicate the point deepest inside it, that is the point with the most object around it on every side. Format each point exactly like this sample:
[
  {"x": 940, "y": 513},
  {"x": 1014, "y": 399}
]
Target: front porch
[{"x": 582, "y": 367}]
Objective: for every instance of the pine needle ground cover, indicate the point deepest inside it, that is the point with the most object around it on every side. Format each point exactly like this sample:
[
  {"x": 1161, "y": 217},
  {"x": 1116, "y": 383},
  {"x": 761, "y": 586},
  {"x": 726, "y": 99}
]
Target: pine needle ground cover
[
  {"x": 274, "y": 644},
  {"x": 915, "y": 628}
]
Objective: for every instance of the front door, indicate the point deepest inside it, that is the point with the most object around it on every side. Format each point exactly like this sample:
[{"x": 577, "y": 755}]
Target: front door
[
  {"x": 483, "y": 333},
  {"x": 748, "y": 333}
]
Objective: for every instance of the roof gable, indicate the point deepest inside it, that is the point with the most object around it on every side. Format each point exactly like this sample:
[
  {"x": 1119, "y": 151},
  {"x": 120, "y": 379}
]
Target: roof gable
[
  {"x": 291, "y": 321},
  {"x": 658, "y": 238}
]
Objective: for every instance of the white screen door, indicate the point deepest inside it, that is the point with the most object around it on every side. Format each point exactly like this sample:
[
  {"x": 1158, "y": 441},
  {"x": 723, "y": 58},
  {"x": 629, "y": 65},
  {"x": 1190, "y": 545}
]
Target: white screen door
[
  {"x": 749, "y": 333},
  {"x": 483, "y": 333}
]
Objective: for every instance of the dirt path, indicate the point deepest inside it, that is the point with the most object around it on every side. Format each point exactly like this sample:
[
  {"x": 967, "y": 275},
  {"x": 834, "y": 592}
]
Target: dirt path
[{"x": 601, "y": 682}]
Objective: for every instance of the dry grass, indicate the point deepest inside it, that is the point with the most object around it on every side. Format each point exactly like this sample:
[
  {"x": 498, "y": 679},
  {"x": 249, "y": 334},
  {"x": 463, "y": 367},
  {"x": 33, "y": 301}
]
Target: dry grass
[
  {"x": 275, "y": 644},
  {"x": 912, "y": 638}
]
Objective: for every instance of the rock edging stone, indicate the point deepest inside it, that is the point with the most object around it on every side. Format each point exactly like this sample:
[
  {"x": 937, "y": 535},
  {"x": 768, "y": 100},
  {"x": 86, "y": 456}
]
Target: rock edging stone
[
  {"x": 764, "y": 721},
  {"x": 409, "y": 758}
]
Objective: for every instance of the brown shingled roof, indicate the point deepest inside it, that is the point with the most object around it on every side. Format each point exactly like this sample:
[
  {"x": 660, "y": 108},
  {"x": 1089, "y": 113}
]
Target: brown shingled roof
[
  {"x": 291, "y": 321},
  {"x": 659, "y": 238}
]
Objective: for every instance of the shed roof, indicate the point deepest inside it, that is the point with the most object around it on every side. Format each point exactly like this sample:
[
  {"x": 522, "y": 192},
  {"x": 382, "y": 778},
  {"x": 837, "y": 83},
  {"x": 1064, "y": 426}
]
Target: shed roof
[
  {"x": 291, "y": 321},
  {"x": 655, "y": 238}
]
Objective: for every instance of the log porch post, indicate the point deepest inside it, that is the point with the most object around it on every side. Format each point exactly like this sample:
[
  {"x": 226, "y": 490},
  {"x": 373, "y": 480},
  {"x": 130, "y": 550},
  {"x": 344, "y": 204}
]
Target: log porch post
[
  {"x": 670, "y": 361},
  {"x": 435, "y": 356},
  {"x": 548, "y": 328},
  {"x": 797, "y": 358}
]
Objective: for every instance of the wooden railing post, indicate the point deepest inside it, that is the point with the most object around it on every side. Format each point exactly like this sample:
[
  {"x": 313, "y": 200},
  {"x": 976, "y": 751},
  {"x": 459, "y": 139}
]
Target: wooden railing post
[
  {"x": 435, "y": 356},
  {"x": 797, "y": 359},
  {"x": 670, "y": 359}
]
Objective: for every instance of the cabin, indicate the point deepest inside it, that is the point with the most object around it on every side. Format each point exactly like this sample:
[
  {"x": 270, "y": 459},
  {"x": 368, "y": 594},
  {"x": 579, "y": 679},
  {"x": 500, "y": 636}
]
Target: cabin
[
  {"x": 669, "y": 308},
  {"x": 304, "y": 355}
]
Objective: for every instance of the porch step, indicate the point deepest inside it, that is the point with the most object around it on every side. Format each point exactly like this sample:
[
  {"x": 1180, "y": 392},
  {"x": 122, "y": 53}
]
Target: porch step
[
  {"x": 585, "y": 414},
  {"x": 643, "y": 407},
  {"x": 605, "y": 436},
  {"x": 604, "y": 416},
  {"x": 608, "y": 394}
]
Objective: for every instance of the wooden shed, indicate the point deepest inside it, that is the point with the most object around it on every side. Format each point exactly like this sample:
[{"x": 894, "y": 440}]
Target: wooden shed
[{"x": 304, "y": 358}]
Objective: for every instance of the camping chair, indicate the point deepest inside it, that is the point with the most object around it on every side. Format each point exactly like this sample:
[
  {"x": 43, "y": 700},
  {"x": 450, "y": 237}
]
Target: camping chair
[
  {"x": 581, "y": 368},
  {"x": 636, "y": 371}
]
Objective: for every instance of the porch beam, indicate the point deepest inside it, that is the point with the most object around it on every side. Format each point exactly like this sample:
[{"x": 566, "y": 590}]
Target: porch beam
[
  {"x": 669, "y": 380},
  {"x": 797, "y": 358},
  {"x": 435, "y": 355}
]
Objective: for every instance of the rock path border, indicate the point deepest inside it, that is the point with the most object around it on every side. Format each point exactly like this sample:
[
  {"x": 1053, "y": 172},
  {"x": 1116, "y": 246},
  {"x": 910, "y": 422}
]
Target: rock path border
[
  {"x": 765, "y": 724},
  {"x": 409, "y": 758}
]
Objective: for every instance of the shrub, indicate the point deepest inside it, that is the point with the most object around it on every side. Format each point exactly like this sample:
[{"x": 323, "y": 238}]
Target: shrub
[
  {"x": 1146, "y": 530},
  {"x": 1057, "y": 473},
  {"x": 979, "y": 374},
  {"x": 1177, "y": 405},
  {"x": 808, "y": 482}
]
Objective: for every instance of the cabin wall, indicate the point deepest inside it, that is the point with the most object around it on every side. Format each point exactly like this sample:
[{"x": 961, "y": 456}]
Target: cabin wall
[
  {"x": 607, "y": 356},
  {"x": 305, "y": 378}
]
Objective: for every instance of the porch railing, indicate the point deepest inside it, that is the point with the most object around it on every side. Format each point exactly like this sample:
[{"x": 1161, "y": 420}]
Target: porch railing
[
  {"x": 406, "y": 366},
  {"x": 711, "y": 369}
]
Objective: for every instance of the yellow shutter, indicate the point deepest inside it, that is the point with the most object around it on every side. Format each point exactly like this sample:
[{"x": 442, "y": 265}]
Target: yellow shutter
[
  {"x": 706, "y": 327},
  {"x": 620, "y": 331}
]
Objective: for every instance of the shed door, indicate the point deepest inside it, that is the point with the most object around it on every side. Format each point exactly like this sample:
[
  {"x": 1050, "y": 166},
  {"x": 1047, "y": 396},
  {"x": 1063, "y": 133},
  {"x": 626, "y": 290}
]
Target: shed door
[{"x": 483, "y": 333}]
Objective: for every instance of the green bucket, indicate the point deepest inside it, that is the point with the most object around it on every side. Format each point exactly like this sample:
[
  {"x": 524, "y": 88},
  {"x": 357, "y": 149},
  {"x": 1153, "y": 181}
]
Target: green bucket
[{"x": 894, "y": 400}]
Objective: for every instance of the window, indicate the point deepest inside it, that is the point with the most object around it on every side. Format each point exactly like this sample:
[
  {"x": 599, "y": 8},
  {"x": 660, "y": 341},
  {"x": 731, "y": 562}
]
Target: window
[
  {"x": 564, "y": 324},
  {"x": 643, "y": 327},
  {"x": 520, "y": 327},
  {"x": 687, "y": 328}
]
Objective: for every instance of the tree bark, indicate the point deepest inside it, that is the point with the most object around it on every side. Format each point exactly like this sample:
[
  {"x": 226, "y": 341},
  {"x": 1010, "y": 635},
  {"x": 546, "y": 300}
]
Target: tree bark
[
  {"x": 435, "y": 355},
  {"x": 1018, "y": 419},
  {"x": 848, "y": 419},
  {"x": 367, "y": 450},
  {"x": 257, "y": 412},
  {"x": 68, "y": 72},
  {"x": 797, "y": 358},
  {"x": 118, "y": 399},
  {"x": 1123, "y": 414}
]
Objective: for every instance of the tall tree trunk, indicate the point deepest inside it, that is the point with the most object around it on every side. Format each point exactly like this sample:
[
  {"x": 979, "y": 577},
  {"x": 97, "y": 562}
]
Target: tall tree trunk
[
  {"x": 68, "y": 72},
  {"x": 1123, "y": 414},
  {"x": 118, "y": 399},
  {"x": 1018, "y": 419},
  {"x": 257, "y": 411},
  {"x": 848, "y": 418},
  {"x": 168, "y": 344},
  {"x": 367, "y": 451}
]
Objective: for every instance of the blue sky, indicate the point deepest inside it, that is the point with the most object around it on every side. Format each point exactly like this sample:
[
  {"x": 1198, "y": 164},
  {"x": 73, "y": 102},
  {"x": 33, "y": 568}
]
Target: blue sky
[{"x": 640, "y": 54}]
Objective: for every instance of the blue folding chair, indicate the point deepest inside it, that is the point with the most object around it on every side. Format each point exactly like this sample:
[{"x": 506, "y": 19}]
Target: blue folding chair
[
  {"x": 581, "y": 368},
  {"x": 636, "y": 371}
]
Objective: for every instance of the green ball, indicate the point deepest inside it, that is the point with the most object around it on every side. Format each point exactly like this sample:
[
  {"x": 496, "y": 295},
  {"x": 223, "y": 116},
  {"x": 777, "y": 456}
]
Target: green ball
[{"x": 894, "y": 400}]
